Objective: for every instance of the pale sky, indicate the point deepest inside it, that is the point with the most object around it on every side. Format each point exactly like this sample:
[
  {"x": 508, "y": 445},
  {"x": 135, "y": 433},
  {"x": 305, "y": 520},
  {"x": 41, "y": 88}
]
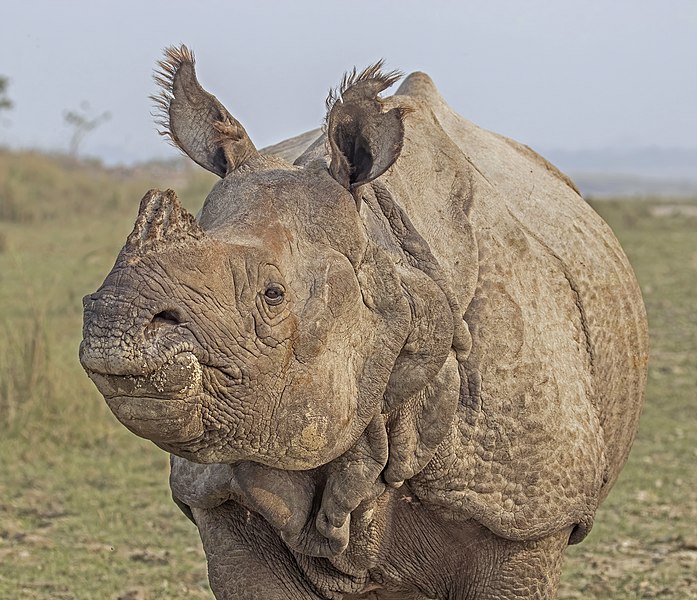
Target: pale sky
[{"x": 554, "y": 74}]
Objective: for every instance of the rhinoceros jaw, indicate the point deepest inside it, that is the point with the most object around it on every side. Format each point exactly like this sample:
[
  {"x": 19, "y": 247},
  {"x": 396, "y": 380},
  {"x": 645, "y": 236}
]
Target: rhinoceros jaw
[{"x": 163, "y": 406}]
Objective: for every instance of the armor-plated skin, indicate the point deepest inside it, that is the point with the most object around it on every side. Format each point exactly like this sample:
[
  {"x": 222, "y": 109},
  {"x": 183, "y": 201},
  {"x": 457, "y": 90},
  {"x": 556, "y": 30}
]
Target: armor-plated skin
[{"x": 409, "y": 365}]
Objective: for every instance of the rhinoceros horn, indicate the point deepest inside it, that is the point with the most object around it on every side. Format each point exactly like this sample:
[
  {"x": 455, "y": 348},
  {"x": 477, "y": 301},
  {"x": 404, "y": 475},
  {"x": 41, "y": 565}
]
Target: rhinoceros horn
[{"x": 162, "y": 222}]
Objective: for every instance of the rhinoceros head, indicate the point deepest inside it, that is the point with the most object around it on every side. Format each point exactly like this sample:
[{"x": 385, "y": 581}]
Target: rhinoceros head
[{"x": 269, "y": 329}]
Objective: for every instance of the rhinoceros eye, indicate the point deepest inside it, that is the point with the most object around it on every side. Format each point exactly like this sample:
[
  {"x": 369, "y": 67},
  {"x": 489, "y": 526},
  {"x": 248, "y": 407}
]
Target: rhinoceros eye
[{"x": 274, "y": 295}]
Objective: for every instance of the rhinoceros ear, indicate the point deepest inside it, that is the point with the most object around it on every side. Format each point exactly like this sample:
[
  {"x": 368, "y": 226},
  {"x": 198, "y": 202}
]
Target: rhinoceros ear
[
  {"x": 194, "y": 120},
  {"x": 364, "y": 139}
]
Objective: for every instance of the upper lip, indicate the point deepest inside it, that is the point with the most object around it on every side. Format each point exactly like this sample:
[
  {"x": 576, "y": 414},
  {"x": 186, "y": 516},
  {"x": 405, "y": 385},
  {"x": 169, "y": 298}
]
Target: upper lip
[
  {"x": 176, "y": 377},
  {"x": 151, "y": 356},
  {"x": 155, "y": 363},
  {"x": 142, "y": 366}
]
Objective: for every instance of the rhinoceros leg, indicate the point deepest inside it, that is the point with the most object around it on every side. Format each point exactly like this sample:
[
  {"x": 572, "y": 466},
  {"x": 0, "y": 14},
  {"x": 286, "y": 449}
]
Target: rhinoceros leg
[
  {"x": 525, "y": 570},
  {"x": 245, "y": 561}
]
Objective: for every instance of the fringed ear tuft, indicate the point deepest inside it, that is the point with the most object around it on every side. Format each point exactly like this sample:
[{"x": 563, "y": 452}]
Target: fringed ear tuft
[
  {"x": 371, "y": 78},
  {"x": 167, "y": 68},
  {"x": 364, "y": 140},
  {"x": 194, "y": 120}
]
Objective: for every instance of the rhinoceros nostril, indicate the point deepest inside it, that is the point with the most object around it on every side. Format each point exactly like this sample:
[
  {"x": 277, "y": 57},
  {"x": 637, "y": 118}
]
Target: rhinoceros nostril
[
  {"x": 166, "y": 317},
  {"x": 163, "y": 321}
]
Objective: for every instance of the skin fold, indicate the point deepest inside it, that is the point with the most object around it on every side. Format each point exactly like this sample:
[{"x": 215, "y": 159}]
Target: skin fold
[{"x": 406, "y": 360}]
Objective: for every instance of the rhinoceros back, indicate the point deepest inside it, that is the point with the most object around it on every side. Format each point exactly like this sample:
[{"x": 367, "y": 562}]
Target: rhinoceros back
[{"x": 554, "y": 384}]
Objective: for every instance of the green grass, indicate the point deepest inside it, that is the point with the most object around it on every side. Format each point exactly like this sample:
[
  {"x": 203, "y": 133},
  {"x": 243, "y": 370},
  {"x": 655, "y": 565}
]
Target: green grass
[{"x": 85, "y": 511}]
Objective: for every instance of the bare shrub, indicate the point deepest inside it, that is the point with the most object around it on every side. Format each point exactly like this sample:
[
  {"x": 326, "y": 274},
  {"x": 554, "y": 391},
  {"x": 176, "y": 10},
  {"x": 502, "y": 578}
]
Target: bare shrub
[{"x": 24, "y": 368}]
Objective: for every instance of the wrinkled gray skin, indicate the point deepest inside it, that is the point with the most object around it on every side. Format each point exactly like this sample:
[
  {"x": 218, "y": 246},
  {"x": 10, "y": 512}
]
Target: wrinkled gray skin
[{"x": 409, "y": 365}]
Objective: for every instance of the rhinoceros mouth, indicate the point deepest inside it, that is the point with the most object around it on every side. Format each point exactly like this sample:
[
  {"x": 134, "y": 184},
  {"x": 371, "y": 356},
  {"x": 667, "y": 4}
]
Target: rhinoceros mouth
[
  {"x": 177, "y": 378},
  {"x": 164, "y": 405}
]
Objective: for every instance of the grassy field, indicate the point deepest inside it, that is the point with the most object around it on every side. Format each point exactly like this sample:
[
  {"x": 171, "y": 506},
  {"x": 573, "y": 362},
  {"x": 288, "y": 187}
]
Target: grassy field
[{"x": 84, "y": 505}]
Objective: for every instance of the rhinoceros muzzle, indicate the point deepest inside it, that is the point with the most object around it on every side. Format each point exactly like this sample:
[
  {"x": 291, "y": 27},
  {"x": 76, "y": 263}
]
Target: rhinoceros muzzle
[{"x": 163, "y": 405}]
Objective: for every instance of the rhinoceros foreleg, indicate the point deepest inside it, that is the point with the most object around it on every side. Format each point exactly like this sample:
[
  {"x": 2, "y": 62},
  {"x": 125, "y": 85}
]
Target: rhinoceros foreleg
[
  {"x": 525, "y": 570},
  {"x": 245, "y": 562}
]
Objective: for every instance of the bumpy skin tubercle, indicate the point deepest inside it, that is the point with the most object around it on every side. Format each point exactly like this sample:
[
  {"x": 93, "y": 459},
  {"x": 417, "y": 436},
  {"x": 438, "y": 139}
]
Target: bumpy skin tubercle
[{"x": 408, "y": 365}]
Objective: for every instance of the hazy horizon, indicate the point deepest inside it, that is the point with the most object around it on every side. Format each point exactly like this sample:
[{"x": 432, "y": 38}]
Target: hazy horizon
[{"x": 561, "y": 77}]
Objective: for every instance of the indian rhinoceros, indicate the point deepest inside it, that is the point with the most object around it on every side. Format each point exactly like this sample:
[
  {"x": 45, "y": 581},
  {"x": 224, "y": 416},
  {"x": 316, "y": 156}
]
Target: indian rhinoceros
[{"x": 410, "y": 364}]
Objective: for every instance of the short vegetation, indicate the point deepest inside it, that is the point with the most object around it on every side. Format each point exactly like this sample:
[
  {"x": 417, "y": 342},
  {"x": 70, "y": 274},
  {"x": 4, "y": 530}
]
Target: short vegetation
[{"x": 85, "y": 510}]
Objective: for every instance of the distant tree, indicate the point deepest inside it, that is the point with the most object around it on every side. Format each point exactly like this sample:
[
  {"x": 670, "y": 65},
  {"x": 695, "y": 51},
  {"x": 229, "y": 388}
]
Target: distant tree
[
  {"x": 82, "y": 124},
  {"x": 5, "y": 102}
]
